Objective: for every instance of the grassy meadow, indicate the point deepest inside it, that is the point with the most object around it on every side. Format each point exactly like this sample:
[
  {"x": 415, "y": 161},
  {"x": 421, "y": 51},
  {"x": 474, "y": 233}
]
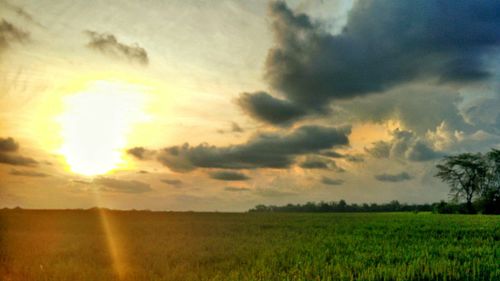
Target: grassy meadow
[{"x": 113, "y": 245}]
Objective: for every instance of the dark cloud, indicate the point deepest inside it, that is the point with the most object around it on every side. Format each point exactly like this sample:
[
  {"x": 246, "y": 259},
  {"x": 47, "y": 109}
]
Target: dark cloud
[
  {"x": 107, "y": 43},
  {"x": 384, "y": 43},
  {"x": 351, "y": 158},
  {"x": 264, "y": 150},
  {"x": 8, "y": 154},
  {"x": 330, "y": 181},
  {"x": 404, "y": 145},
  {"x": 379, "y": 149},
  {"x": 10, "y": 33},
  {"x": 8, "y": 145},
  {"x": 236, "y": 189},
  {"x": 403, "y": 176},
  {"x": 228, "y": 176},
  {"x": 126, "y": 186},
  {"x": 139, "y": 152},
  {"x": 332, "y": 154},
  {"x": 16, "y": 160},
  {"x": 268, "y": 109},
  {"x": 420, "y": 151},
  {"x": 25, "y": 173},
  {"x": 313, "y": 164},
  {"x": 355, "y": 158},
  {"x": 172, "y": 182}
]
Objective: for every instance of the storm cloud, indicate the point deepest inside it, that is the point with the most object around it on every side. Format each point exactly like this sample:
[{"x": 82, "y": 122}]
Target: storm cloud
[
  {"x": 263, "y": 150},
  {"x": 268, "y": 109},
  {"x": 108, "y": 44},
  {"x": 383, "y": 44},
  {"x": 403, "y": 176}
]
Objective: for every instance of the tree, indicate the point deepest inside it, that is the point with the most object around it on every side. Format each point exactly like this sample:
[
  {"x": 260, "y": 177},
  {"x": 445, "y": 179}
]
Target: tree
[
  {"x": 491, "y": 190},
  {"x": 466, "y": 174}
]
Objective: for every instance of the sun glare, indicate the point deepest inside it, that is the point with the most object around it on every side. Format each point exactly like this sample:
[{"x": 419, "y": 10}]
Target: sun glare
[{"x": 95, "y": 125}]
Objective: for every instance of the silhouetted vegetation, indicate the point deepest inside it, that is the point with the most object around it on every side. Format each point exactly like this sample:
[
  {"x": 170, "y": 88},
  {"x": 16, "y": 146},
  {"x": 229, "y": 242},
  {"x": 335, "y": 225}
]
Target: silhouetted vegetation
[
  {"x": 343, "y": 206},
  {"x": 475, "y": 179}
]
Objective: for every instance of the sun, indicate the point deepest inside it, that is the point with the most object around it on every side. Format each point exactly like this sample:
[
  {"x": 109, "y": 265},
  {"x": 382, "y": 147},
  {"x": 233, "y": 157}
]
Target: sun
[{"x": 95, "y": 125}]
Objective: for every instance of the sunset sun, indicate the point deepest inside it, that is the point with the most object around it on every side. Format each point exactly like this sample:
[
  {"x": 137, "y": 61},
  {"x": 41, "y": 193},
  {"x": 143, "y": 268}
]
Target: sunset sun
[{"x": 95, "y": 125}]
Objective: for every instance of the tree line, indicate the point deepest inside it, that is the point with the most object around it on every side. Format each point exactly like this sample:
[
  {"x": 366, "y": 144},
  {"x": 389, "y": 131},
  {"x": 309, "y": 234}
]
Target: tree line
[
  {"x": 474, "y": 180},
  {"x": 343, "y": 206}
]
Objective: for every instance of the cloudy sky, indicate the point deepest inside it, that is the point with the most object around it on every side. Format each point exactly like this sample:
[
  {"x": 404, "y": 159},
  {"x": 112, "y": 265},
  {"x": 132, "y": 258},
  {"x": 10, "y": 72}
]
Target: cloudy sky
[{"x": 222, "y": 105}]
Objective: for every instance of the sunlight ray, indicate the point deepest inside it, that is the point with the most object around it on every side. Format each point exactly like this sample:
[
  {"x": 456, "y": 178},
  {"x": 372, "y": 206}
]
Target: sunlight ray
[{"x": 114, "y": 244}]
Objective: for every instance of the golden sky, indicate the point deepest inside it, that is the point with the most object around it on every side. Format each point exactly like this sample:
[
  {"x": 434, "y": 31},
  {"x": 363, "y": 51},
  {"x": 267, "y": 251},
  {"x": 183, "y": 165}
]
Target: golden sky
[{"x": 222, "y": 105}]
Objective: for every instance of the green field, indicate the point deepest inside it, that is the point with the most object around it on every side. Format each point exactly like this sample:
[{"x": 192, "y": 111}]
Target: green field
[{"x": 93, "y": 245}]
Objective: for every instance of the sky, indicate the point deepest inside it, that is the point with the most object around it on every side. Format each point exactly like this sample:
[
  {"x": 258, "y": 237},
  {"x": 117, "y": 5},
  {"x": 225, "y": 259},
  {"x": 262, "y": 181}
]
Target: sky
[{"x": 223, "y": 105}]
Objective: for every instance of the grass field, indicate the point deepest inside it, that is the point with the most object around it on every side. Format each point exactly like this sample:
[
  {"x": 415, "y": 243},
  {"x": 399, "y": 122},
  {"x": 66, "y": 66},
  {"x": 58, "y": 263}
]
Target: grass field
[{"x": 97, "y": 245}]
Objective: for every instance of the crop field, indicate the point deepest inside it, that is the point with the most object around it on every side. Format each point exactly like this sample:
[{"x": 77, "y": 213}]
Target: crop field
[{"x": 115, "y": 245}]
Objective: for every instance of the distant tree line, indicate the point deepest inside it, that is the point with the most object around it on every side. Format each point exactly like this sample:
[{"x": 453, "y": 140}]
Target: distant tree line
[
  {"x": 343, "y": 206},
  {"x": 474, "y": 179}
]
